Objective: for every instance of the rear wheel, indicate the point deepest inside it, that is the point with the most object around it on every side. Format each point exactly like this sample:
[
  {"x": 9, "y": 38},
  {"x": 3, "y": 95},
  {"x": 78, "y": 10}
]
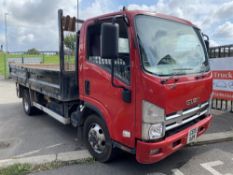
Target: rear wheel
[
  {"x": 27, "y": 105},
  {"x": 97, "y": 139}
]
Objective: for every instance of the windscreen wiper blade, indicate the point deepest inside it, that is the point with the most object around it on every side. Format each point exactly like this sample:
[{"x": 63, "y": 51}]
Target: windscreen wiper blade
[
  {"x": 169, "y": 78},
  {"x": 203, "y": 71},
  {"x": 183, "y": 69},
  {"x": 175, "y": 74}
]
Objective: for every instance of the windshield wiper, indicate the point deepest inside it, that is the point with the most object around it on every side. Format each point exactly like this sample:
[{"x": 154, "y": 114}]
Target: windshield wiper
[
  {"x": 175, "y": 74},
  {"x": 204, "y": 68},
  {"x": 183, "y": 69},
  {"x": 171, "y": 77}
]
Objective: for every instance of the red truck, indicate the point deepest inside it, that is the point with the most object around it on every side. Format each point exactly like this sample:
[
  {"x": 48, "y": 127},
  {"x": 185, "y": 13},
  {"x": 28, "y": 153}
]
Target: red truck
[{"x": 141, "y": 82}]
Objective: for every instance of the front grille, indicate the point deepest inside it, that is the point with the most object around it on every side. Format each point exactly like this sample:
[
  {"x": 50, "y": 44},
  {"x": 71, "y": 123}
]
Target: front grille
[
  {"x": 183, "y": 127},
  {"x": 183, "y": 117}
]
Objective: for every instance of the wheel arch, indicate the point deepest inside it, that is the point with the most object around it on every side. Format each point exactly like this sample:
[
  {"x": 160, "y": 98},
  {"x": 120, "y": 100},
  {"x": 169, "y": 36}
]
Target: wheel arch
[
  {"x": 20, "y": 89},
  {"x": 100, "y": 111}
]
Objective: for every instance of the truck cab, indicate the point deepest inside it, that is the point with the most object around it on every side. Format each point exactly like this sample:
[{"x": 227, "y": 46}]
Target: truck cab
[
  {"x": 143, "y": 85},
  {"x": 162, "y": 63}
]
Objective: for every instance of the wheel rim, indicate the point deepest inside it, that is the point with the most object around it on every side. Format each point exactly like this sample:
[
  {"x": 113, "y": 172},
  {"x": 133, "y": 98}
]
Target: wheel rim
[
  {"x": 96, "y": 138},
  {"x": 26, "y": 105}
]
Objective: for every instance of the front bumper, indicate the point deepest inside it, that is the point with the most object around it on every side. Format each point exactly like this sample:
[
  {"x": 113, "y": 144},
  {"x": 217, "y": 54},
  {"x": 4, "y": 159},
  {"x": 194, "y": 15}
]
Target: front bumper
[{"x": 148, "y": 153}]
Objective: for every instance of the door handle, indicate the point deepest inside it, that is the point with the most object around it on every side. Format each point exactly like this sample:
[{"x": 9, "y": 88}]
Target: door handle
[{"x": 87, "y": 87}]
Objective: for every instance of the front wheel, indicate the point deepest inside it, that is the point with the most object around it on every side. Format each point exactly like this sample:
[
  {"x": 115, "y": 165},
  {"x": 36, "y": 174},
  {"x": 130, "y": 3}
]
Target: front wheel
[{"x": 97, "y": 139}]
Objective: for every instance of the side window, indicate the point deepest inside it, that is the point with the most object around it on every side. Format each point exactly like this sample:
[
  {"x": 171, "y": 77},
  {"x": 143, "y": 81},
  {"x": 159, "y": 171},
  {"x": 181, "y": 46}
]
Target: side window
[{"x": 122, "y": 64}]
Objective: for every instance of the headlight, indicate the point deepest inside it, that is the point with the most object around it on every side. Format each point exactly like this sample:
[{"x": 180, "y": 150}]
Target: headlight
[
  {"x": 151, "y": 113},
  {"x": 152, "y": 121},
  {"x": 156, "y": 131}
]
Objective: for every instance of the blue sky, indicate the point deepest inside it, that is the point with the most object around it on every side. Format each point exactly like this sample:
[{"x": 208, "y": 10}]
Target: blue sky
[{"x": 33, "y": 23}]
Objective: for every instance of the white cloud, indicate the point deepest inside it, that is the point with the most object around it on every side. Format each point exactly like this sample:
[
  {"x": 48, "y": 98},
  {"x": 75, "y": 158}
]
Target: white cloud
[
  {"x": 26, "y": 38},
  {"x": 225, "y": 30},
  {"x": 190, "y": 10},
  {"x": 33, "y": 23},
  {"x": 213, "y": 43},
  {"x": 219, "y": 13},
  {"x": 98, "y": 7},
  {"x": 225, "y": 10},
  {"x": 208, "y": 15}
]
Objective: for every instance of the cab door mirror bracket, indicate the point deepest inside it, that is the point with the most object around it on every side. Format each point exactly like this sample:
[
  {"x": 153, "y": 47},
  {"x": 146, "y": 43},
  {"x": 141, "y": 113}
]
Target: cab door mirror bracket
[{"x": 109, "y": 50}]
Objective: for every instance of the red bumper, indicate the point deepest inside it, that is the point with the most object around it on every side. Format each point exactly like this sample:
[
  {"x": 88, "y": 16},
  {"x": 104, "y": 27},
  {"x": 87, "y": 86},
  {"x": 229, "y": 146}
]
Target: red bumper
[{"x": 148, "y": 153}]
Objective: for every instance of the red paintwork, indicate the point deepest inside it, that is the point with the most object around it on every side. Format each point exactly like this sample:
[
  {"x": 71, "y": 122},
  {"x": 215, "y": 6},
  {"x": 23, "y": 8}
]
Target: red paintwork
[
  {"x": 171, "y": 96},
  {"x": 119, "y": 115},
  {"x": 166, "y": 146}
]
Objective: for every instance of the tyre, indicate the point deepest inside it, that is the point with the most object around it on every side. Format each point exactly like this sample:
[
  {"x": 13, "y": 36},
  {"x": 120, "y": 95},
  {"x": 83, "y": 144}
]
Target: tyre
[
  {"x": 27, "y": 105},
  {"x": 97, "y": 139}
]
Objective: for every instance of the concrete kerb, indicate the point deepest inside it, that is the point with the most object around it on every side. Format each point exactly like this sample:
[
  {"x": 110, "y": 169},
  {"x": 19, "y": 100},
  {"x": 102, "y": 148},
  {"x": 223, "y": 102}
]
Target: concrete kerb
[
  {"x": 214, "y": 138},
  {"x": 73, "y": 156},
  {"x": 83, "y": 155}
]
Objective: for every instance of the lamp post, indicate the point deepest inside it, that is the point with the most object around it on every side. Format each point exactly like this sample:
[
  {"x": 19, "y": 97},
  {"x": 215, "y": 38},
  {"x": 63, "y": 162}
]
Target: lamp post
[
  {"x": 6, "y": 46},
  {"x": 78, "y": 14},
  {"x": 77, "y": 8},
  {"x": 6, "y": 39}
]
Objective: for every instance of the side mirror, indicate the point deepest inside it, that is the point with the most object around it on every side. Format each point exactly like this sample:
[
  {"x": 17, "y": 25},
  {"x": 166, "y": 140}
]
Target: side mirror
[
  {"x": 109, "y": 41},
  {"x": 206, "y": 40},
  {"x": 207, "y": 44}
]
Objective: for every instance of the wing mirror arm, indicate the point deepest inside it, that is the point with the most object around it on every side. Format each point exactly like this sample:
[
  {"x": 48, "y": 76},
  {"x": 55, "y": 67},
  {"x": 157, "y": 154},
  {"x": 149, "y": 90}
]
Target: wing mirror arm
[
  {"x": 206, "y": 40},
  {"x": 109, "y": 50}
]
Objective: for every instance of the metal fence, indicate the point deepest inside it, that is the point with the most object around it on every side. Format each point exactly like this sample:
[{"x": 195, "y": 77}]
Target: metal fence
[
  {"x": 22, "y": 60},
  {"x": 25, "y": 58},
  {"x": 40, "y": 53},
  {"x": 221, "y": 51},
  {"x": 223, "y": 105},
  {"x": 28, "y": 60}
]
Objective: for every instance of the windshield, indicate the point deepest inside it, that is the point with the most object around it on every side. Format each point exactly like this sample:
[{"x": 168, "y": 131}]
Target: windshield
[{"x": 169, "y": 48}]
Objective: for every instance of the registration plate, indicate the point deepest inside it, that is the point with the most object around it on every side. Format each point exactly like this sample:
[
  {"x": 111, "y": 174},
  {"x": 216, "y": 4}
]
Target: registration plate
[{"x": 192, "y": 136}]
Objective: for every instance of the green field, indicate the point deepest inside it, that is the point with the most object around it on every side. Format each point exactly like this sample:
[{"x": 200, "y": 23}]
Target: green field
[{"x": 48, "y": 59}]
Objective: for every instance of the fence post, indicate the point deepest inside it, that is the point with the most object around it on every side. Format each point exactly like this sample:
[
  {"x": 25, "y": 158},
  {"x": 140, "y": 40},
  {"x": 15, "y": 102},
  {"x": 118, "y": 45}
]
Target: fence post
[{"x": 43, "y": 58}]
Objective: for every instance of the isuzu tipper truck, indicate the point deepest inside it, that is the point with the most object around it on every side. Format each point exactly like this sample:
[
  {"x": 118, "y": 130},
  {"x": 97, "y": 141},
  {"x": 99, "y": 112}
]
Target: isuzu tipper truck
[{"x": 141, "y": 82}]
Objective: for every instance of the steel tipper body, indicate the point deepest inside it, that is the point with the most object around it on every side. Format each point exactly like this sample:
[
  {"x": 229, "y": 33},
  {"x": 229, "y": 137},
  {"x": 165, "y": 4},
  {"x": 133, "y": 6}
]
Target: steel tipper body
[{"x": 143, "y": 84}]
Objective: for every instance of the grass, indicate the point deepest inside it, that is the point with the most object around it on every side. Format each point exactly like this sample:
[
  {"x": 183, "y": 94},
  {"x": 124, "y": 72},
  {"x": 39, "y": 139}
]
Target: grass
[
  {"x": 17, "y": 169},
  {"x": 1, "y": 63},
  {"x": 48, "y": 59},
  {"x": 24, "y": 169}
]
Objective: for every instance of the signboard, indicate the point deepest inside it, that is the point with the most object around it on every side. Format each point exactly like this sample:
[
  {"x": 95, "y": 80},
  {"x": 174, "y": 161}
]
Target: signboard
[{"x": 222, "y": 69}]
